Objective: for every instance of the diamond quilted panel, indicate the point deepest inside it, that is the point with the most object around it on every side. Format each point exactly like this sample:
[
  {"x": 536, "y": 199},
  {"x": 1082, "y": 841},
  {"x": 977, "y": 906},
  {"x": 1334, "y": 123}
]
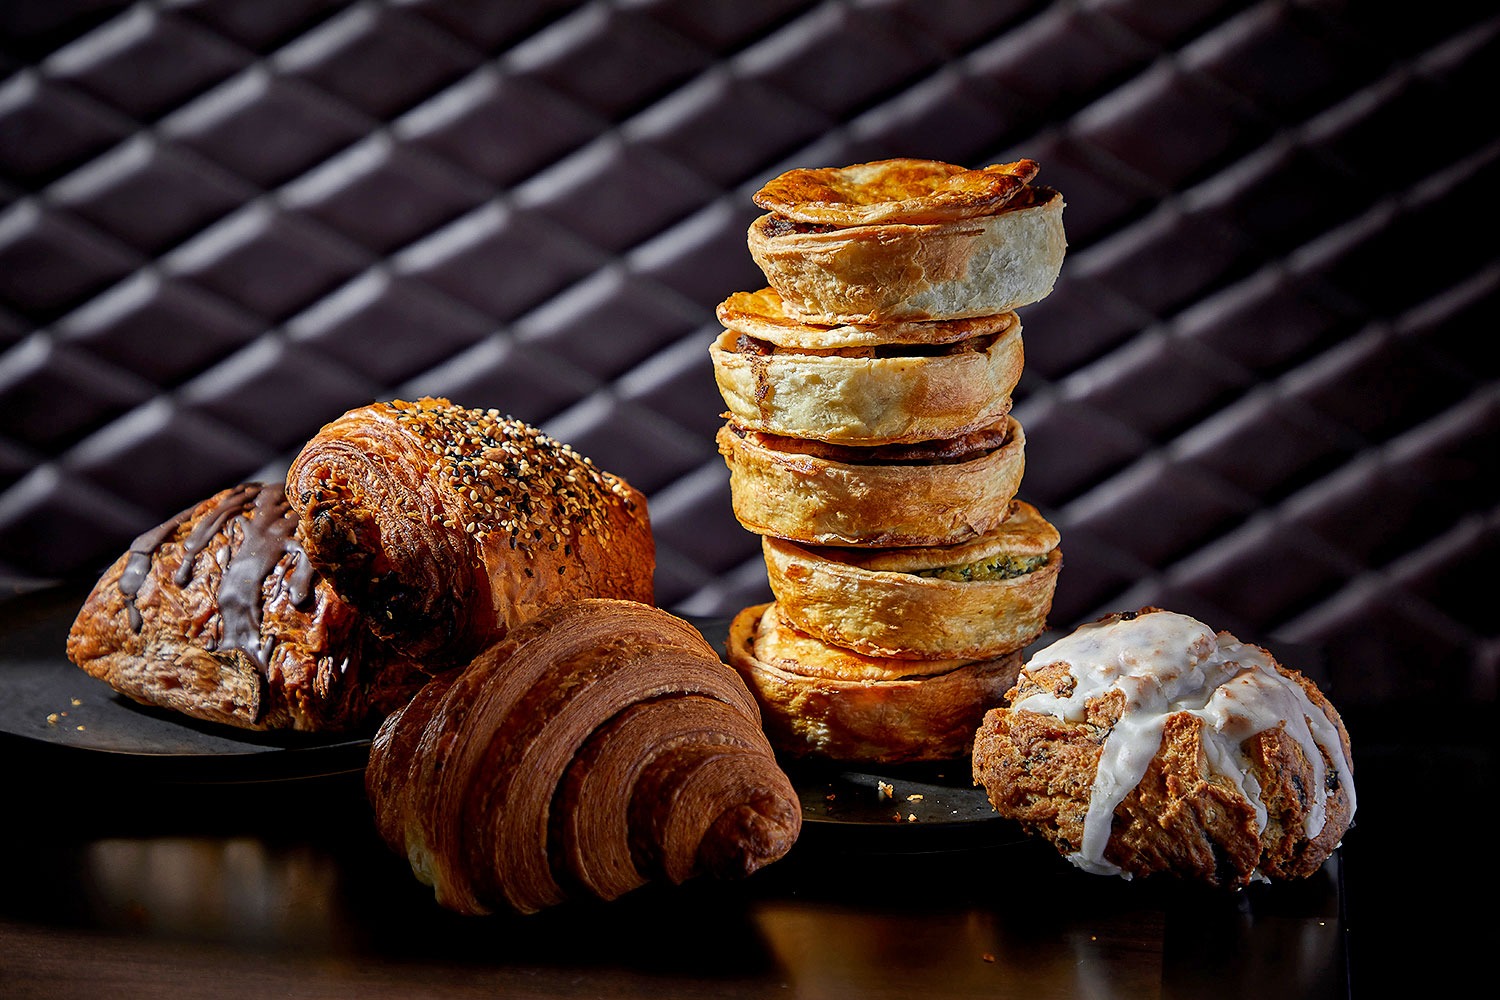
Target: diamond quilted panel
[
  {"x": 607, "y": 324},
  {"x": 258, "y": 26},
  {"x": 46, "y": 130},
  {"x": 48, "y": 261},
  {"x": 271, "y": 390},
  {"x": 157, "y": 456},
  {"x": 222, "y": 223},
  {"x": 356, "y": 54},
  {"x": 501, "y": 374},
  {"x": 51, "y": 394},
  {"x": 267, "y": 261},
  {"x": 499, "y": 260},
  {"x": 382, "y": 195},
  {"x": 615, "y": 195},
  {"x": 263, "y": 128},
  {"x": 860, "y": 56},
  {"x": 144, "y": 62},
  {"x": 367, "y": 326},
  {"x": 609, "y": 57},
  {"x": 500, "y": 128},
  {"x": 646, "y": 450},
  {"x": 51, "y": 524},
  {"x": 148, "y": 195},
  {"x": 159, "y": 329}
]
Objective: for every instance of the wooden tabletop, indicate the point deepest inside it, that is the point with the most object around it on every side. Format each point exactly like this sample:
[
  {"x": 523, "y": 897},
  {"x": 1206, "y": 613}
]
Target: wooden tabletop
[{"x": 121, "y": 887}]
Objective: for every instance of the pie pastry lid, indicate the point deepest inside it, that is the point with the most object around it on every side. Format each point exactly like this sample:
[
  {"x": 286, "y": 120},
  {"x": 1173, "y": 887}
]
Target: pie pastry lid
[
  {"x": 819, "y": 501},
  {"x": 870, "y": 274},
  {"x": 873, "y": 399},
  {"x": 873, "y": 601},
  {"x": 917, "y": 717}
]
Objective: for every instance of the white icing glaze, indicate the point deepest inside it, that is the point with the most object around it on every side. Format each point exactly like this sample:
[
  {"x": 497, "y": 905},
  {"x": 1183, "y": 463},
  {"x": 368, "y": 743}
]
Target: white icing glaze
[{"x": 1163, "y": 663}]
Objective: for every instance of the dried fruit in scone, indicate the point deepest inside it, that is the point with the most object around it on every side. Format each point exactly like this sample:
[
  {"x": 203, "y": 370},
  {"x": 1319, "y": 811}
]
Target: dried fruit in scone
[
  {"x": 904, "y": 239},
  {"x": 1146, "y": 743}
]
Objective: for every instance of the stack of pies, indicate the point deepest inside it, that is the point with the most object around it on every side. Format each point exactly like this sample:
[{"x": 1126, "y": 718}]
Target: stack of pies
[{"x": 870, "y": 444}]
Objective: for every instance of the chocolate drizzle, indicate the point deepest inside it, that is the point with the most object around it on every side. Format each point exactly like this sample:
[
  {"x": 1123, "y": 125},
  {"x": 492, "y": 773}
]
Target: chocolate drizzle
[{"x": 268, "y": 550}]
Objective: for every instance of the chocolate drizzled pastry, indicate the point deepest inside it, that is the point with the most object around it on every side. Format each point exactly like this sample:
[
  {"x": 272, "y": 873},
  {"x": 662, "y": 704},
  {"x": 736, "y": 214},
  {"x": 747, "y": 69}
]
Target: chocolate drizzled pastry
[{"x": 218, "y": 613}]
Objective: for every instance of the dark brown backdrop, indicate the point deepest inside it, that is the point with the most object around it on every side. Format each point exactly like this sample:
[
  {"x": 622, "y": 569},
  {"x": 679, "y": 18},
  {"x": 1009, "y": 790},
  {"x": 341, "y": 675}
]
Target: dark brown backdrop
[{"x": 1261, "y": 392}]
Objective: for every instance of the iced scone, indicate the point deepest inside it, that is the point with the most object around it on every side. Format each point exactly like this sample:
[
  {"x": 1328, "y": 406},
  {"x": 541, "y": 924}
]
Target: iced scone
[{"x": 1145, "y": 743}]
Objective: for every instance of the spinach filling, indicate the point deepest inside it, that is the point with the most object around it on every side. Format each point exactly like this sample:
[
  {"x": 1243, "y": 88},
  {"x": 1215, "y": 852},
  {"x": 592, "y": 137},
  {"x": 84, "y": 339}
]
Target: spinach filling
[{"x": 1002, "y": 567}]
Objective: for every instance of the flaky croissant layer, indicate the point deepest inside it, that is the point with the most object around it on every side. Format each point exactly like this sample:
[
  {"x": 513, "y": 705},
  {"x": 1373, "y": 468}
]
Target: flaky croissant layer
[
  {"x": 599, "y": 746},
  {"x": 447, "y": 525}
]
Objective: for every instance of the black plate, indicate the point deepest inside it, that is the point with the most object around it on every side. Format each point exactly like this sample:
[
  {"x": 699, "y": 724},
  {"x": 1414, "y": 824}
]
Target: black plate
[{"x": 50, "y": 705}]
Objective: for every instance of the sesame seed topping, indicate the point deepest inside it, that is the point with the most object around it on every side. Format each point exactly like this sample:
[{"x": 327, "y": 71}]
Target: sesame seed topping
[{"x": 510, "y": 477}]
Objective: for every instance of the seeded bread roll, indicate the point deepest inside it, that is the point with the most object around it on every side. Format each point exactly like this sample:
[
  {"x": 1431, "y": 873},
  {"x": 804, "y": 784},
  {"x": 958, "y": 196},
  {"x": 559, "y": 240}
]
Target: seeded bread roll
[
  {"x": 598, "y": 747},
  {"x": 218, "y": 614},
  {"x": 869, "y": 395},
  {"x": 908, "y": 240},
  {"x": 976, "y": 600},
  {"x": 821, "y": 701},
  {"x": 929, "y": 493},
  {"x": 448, "y": 526},
  {"x": 1147, "y": 744}
]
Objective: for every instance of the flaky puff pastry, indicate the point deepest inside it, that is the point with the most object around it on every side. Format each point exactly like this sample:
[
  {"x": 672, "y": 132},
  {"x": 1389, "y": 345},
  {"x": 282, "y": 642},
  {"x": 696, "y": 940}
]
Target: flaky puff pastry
[
  {"x": 598, "y": 747},
  {"x": 1145, "y": 743},
  {"x": 918, "y": 495},
  {"x": 908, "y": 240},
  {"x": 218, "y": 614},
  {"x": 976, "y": 600},
  {"x": 824, "y": 702},
  {"x": 869, "y": 395},
  {"x": 448, "y": 526},
  {"x": 762, "y": 315},
  {"x": 896, "y": 190}
]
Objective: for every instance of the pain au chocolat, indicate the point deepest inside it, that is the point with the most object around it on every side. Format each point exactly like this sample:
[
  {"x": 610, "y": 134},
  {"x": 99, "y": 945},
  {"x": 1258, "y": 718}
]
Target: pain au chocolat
[
  {"x": 446, "y": 526},
  {"x": 904, "y": 239}
]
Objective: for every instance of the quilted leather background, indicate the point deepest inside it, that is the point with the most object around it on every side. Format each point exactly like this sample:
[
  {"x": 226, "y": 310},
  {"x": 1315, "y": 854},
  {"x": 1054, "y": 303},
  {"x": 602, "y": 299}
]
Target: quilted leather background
[{"x": 1262, "y": 392}]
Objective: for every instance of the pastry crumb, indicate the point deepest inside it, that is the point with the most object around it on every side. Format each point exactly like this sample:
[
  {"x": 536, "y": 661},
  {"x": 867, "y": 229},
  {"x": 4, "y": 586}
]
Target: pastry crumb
[
  {"x": 914, "y": 797},
  {"x": 53, "y": 718},
  {"x": 886, "y": 790}
]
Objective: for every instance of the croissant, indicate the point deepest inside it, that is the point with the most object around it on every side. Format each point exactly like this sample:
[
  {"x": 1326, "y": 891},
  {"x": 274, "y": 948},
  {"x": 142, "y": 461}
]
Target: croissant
[
  {"x": 599, "y": 746},
  {"x": 448, "y": 526},
  {"x": 217, "y": 613}
]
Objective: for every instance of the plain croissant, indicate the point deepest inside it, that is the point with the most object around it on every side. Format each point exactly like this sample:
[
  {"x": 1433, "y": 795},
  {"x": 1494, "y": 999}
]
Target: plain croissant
[{"x": 600, "y": 745}]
